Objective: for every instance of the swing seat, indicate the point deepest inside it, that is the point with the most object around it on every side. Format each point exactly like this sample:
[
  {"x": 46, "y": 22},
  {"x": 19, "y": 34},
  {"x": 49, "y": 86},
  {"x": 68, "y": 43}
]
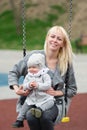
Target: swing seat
[
  {"x": 63, "y": 110},
  {"x": 65, "y": 119}
]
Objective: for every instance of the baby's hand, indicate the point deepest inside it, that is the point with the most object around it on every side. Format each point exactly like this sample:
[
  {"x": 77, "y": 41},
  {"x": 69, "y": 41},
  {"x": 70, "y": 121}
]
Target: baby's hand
[{"x": 34, "y": 84}]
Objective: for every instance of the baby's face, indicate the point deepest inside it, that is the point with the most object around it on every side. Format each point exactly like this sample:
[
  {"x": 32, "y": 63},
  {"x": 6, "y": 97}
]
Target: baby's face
[{"x": 33, "y": 69}]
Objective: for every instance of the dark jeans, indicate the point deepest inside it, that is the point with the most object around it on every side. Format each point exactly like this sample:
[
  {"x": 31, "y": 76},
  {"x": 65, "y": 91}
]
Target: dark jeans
[{"x": 46, "y": 122}]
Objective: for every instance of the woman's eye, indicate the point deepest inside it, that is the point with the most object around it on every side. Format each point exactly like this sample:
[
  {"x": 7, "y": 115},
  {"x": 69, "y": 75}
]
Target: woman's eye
[
  {"x": 60, "y": 39},
  {"x": 52, "y": 36}
]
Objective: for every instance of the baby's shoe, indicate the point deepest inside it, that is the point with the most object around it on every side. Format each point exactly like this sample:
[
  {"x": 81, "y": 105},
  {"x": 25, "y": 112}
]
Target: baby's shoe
[
  {"x": 38, "y": 112},
  {"x": 32, "y": 110},
  {"x": 18, "y": 124}
]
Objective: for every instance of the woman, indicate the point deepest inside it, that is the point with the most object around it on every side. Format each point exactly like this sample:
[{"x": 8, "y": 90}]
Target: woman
[{"x": 58, "y": 58}]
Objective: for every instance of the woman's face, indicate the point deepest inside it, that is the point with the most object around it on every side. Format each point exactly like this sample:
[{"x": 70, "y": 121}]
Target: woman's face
[{"x": 55, "y": 40}]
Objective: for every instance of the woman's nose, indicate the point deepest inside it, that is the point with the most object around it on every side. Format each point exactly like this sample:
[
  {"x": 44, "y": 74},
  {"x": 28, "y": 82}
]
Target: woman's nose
[{"x": 55, "y": 39}]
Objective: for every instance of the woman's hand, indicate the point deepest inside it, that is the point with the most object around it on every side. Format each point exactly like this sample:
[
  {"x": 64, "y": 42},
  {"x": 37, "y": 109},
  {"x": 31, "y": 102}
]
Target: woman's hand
[
  {"x": 53, "y": 92},
  {"x": 21, "y": 91}
]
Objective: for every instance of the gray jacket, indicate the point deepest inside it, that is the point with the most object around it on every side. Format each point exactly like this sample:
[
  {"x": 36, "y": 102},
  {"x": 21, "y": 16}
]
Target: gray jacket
[
  {"x": 63, "y": 83},
  {"x": 37, "y": 96}
]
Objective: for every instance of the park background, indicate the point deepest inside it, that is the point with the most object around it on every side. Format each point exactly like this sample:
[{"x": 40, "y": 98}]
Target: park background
[{"x": 40, "y": 16}]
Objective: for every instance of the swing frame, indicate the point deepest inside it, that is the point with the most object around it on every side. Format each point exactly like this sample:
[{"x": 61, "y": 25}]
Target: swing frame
[{"x": 65, "y": 118}]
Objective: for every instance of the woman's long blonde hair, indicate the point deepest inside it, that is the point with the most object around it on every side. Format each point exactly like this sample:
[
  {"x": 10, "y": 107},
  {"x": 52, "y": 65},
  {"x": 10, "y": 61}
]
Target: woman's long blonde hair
[{"x": 65, "y": 53}]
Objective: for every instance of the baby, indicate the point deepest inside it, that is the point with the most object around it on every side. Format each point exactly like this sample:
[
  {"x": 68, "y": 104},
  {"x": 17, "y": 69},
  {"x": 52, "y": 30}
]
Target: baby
[{"x": 37, "y": 81}]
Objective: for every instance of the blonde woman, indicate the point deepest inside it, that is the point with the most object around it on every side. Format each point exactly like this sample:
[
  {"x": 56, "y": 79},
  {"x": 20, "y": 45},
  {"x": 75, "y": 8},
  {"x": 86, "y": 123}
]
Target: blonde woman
[{"x": 59, "y": 59}]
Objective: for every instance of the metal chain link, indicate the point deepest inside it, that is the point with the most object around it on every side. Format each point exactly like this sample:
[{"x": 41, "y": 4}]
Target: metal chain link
[
  {"x": 23, "y": 27},
  {"x": 70, "y": 19}
]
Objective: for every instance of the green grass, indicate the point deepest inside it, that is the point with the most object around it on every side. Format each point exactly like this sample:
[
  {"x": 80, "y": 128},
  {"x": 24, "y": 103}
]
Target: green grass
[
  {"x": 78, "y": 49},
  {"x": 36, "y": 30},
  {"x": 8, "y": 35},
  {"x": 59, "y": 9}
]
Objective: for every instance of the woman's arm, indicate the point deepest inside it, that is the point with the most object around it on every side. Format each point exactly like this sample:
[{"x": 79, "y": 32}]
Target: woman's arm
[
  {"x": 70, "y": 82},
  {"x": 20, "y": 90},
  {"x": 69, "y": 85},
  {"x": 53, "y": 92},
  {"x": 18, "y": 70}
]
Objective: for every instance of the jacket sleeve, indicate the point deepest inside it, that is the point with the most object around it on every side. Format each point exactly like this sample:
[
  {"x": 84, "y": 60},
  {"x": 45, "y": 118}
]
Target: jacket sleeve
[
  {"x": 70, "y": 82},
  {"x": 19, "y": 69},
  {"x": 46, "y": 84},
  {"x": 26, "y": 83}
]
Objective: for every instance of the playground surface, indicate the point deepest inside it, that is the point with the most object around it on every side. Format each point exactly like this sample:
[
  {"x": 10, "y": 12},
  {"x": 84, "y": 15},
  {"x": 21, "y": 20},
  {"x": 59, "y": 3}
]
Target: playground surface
[
  {"x": 77, "y": 114},
  {"x": 78, "y": 108}
]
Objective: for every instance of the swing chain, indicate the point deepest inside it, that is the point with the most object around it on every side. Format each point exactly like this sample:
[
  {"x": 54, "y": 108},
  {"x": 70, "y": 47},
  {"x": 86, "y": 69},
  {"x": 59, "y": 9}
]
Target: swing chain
[
  {"x": 70, "y": 19},
  {"x": 23, "y": 26},
  {"x": 69, "y": 33},
  {"x": 24, "y": 23}
]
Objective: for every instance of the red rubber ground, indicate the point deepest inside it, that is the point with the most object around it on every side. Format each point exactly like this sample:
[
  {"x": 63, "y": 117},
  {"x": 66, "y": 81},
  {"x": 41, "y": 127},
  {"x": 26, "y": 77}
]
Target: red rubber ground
[{"x": 77, "y": 114}]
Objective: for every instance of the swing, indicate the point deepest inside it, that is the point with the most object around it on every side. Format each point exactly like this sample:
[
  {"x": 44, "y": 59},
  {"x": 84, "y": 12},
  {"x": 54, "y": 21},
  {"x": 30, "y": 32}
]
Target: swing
[{"x": 65, "y": 118}]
